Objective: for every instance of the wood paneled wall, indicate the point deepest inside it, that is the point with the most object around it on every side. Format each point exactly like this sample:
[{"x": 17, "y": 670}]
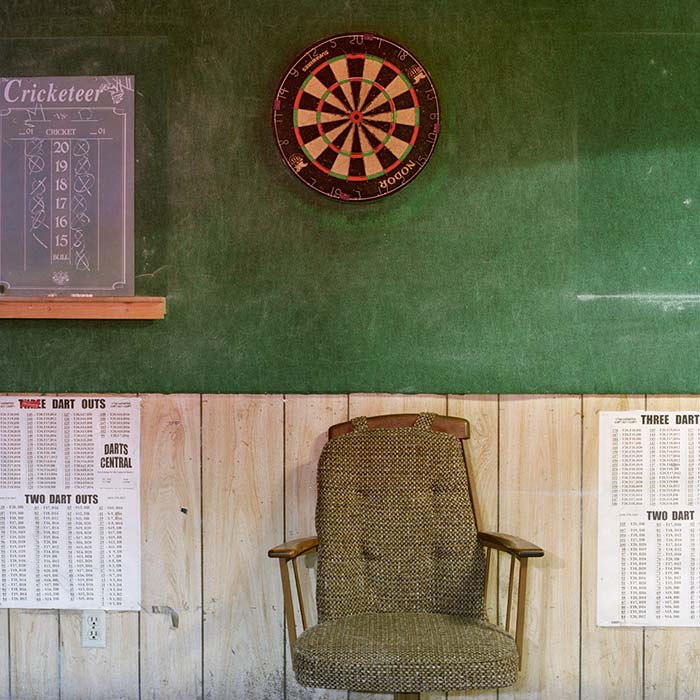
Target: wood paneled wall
[{"x": 224, "y": 477}]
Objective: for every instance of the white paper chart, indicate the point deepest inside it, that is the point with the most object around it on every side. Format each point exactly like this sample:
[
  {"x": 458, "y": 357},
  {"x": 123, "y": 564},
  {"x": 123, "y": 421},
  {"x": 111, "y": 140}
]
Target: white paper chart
[
  {"x": 70, "y": 534},
  {"x": 648, "y": 530}
]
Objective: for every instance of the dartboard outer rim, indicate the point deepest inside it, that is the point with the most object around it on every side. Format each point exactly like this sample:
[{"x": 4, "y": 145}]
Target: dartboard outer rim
[{"x": 434, "y": 109}]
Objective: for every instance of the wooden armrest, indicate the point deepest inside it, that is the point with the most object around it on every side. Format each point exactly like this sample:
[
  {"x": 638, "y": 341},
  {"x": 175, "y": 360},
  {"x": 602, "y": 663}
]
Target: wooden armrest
[
  {"x": 522, "y": 550},
  {"x": 284, "y": 553},
  {"x": 294, "y": 548},
  {"x": 509, "y": 543}
]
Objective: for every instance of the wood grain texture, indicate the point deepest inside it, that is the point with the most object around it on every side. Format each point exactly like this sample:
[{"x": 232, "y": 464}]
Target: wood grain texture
[
  {"x": 481, "y": 452},
  {"x": 114, "y": 308},
  {"x": 259, "y": 464},
  {"x": 482, "y": 457},
  {"x": 171, "y": 657},
  {"x": 540, "y": 480},
  {"x": 379, "y": 404},
  {"x": 307, "y": 419},
  {"x": 102, "y": 674},
  {"x": 611, "y": 658},
  {"x": 34, "y": 660},
  {"x": 5, "y": 653},
  {"x": 243, "y": 506},
  {"x": 671, "y": 668}
]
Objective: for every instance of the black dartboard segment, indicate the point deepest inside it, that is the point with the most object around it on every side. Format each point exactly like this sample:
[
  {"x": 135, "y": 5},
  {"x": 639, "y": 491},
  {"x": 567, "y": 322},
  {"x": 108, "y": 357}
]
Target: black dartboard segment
[{"x": 356, "y": 117}]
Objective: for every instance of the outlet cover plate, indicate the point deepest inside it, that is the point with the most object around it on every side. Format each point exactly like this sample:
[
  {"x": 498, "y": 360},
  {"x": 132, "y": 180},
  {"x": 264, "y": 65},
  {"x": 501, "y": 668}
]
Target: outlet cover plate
[{"x": 93, "y": 629}]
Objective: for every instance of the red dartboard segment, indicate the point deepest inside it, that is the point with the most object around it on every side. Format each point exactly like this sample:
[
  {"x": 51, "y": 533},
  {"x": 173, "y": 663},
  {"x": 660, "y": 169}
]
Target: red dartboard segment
[
  {"x": 356, "y": 117},
  {"x": 392, "y": 66},
  {"x": 316, "y": 70}
]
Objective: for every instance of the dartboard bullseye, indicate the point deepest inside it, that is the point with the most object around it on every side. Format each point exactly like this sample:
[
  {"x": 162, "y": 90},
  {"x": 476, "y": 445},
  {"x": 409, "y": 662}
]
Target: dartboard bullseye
[{"x": 356, "y": 117}]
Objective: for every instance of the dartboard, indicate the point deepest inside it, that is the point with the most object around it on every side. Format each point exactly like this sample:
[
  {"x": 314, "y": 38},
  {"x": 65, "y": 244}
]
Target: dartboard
[{"x": 356, "y": 117}]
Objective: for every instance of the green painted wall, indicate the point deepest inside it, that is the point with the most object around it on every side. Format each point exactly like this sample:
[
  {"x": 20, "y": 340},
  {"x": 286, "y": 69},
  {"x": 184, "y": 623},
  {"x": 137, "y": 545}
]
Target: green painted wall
[{"x": 543, "y": 249}]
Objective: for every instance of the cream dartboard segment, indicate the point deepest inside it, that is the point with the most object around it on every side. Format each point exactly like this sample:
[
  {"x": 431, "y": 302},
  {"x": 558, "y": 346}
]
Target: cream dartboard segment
[{"x": 356, "y": 117}]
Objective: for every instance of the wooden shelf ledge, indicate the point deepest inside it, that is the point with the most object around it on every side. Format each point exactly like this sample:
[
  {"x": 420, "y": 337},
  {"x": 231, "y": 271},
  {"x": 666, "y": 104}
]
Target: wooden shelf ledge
[{"x": 126, "y": 308}]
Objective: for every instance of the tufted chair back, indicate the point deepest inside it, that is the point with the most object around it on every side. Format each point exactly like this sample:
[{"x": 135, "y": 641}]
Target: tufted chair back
[{"x": 396, "y": 525}]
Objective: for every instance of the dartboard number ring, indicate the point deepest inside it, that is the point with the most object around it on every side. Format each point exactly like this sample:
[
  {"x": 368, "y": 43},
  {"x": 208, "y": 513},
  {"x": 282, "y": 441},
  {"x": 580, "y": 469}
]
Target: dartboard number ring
[{"x": 356, "y": 117}]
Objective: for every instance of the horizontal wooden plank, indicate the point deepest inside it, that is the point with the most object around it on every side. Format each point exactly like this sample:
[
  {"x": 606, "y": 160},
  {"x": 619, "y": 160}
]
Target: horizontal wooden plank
[{"x": 129, "y": 308}]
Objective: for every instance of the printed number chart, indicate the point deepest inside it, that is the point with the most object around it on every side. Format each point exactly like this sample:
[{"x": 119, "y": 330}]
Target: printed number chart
[
  {"x": 648, "y": 512},
  {"x": 66, "y": 186},
  {"x": 70, "y": 534}
]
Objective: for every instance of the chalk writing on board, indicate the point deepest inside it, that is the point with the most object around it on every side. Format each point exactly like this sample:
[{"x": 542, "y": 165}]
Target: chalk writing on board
[
  {"x": 66, "y": 185},
  {"x": 667, "y": 302}
]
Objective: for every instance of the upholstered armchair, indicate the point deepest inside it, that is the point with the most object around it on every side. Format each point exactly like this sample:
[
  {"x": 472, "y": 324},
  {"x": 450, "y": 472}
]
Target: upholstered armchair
[{"x": 402, "y": 566}]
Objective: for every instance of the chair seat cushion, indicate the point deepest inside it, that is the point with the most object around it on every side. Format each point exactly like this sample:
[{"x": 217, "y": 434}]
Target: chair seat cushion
[{"x": 405, "y": 653}]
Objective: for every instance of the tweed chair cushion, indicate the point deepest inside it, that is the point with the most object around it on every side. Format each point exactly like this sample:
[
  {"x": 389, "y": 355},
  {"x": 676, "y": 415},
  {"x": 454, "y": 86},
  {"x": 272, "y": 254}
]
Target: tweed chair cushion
[
  {"x": 405, "y": 653},
  {"x": 395, "y": 525}
]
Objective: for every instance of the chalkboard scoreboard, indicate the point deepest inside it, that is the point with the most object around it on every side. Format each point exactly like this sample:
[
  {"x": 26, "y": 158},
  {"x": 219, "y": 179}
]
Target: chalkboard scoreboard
[{"x": 66, "y": 185}]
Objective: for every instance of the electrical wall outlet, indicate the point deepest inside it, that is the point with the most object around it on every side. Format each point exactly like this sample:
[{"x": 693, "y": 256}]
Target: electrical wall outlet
[{"x": 92, "y": 628}]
